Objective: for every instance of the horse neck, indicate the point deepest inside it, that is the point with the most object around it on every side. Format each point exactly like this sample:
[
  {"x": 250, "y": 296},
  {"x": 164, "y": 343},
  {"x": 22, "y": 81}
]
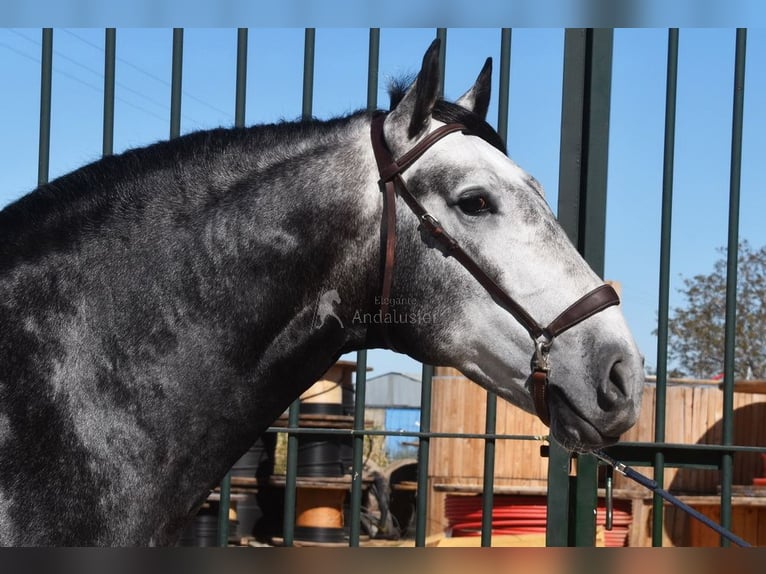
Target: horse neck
[
  {"x": 304, "y": 227},
  {"x": 178, "y": 309}
]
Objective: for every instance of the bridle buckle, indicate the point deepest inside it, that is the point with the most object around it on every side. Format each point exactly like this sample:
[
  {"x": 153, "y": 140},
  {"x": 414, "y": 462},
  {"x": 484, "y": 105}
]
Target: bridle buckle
[{"x": 541, "y": 359}]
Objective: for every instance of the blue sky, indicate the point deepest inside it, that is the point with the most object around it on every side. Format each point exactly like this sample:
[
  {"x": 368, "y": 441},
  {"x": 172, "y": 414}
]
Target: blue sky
[{"x": 274, "y": 92}]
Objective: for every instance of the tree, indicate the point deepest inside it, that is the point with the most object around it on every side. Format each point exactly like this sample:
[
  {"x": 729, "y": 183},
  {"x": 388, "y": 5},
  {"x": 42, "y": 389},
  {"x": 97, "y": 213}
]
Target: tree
[{"x": 696, "y": 331}]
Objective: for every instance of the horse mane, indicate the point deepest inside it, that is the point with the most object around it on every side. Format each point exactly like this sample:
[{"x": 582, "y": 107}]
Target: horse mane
[
  {"x": 56, "y": 212},
  {"x": 51, "y": 215},
  {"x": 448, "y": 113}
]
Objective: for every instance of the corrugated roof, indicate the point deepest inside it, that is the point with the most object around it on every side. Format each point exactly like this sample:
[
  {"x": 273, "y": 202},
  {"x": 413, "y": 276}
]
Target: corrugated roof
[{"x": 393, "y": 390}]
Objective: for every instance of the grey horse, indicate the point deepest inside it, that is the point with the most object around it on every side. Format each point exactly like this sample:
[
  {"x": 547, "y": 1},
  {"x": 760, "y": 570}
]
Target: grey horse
[{"x": 158, "y": 307}]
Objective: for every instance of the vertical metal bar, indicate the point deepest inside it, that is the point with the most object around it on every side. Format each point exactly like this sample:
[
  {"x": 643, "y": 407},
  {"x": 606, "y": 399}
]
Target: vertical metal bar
[
  {"x": 110, "y": 53},
  {"x": 175, "y": 84},
  {"x": 239, "y": 121},
  {"x": 664, "y": 280},
  {"x": 373, "y": 62},
  {"x": 571, "y": 164},
  {"x": 241, "y": 86},
  {"x": 421, "y": 503},
  {"x": 223, "y": 511},
  {"x": 592, "y": 231},
  {"x": 293, "y": 416},
  {"x": 727, "y": 464},
  {"x": 308, "y": 72},
  {"x": 557, "y": 522},
  {"x": 609, "y": 496},
  {"x": 488, "y": 488},
  {"x": 441, "y": 34},
  {"x": 358, "y": 449},
  {"x": 582, "y": 213},
  {"x": 570, "y": 176},
  {"x": 357, "y": 468},
  {"x": 291, "y": 472},
  {"x": 46, "y": 81},
  {"x": 596, "y": 146},
  {"x": 505, "y": 84},
  {"x": 585, "y": 501}
]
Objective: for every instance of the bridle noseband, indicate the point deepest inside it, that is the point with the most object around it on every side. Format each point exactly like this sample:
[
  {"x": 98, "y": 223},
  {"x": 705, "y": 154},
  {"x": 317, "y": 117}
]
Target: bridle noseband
[{"x": 390, "y": 170}]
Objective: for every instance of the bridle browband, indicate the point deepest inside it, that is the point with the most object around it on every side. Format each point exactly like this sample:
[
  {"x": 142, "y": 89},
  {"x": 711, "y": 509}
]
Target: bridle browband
[{"x": 390, "y": 171}]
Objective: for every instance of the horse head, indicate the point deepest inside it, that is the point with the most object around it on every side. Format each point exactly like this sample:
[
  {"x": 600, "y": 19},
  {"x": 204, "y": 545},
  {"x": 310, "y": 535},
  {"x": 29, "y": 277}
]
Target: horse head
[{"x": 498, "y": 215}]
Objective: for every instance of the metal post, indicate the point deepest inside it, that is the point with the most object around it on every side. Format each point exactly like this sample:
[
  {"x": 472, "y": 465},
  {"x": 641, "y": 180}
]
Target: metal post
[
  {"x": 46, "y": 80},
  {"x": 358, "y": 448},
  {"x": 241, "y": 86},
  {"x": 664, "y": 280},
  {"x": 308, "y": 72},
  {"x": 175, "y": 84},
  {"x": 239, "y": 121},
  {"x": 373, "y": 62},
  {"x": 293, "y": 415},
  {"x": 727, "y": 464},
  {"x": 557, "y": 523},
  {"x": 505, "y": 84},
  {"x": 488, "y": 487},
  {"x": 490, "y": 443},
  {"x": 582, "y": 214},
  {"x": 357, "y": 469},
  {"x": 291, "y": 471},
  {"x": 421, "y": 502},
  {"x": 224, "y": 504},
  {"x": 441, "y": 34},
  {"x": 110, "y": 52}
]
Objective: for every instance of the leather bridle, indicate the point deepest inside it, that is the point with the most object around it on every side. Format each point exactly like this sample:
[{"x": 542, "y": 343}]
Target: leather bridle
[{"x": 391, "y": 181}]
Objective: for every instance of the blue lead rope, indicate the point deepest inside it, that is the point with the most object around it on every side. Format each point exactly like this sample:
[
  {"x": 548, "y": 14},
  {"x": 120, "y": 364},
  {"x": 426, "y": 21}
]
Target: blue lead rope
[{"x": 654, "y": 487}]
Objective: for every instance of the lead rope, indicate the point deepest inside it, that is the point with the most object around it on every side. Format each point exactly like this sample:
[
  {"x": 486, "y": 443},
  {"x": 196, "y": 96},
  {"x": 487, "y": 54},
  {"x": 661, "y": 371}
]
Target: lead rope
[{"x": 652, "y": 485}]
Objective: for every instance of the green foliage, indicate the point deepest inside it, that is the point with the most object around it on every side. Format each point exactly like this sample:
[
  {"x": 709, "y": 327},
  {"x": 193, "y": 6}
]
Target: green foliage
[{"x": 696, "y": 331}]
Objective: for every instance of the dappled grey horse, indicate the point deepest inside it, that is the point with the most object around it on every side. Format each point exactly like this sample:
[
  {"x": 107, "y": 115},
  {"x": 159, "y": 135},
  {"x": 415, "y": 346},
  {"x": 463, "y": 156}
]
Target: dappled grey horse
[{"x": 158, "y": 309}]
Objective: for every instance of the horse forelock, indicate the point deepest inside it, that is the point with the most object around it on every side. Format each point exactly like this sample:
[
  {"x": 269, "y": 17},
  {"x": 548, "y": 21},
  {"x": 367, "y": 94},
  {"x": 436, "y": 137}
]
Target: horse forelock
[{"x": 448, "y": 112}]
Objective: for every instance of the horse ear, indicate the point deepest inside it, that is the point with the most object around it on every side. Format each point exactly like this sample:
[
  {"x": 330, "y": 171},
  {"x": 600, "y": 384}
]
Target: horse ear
[
  {"x": 477, "y": 98},
  {"x": 413, "y": 112}
]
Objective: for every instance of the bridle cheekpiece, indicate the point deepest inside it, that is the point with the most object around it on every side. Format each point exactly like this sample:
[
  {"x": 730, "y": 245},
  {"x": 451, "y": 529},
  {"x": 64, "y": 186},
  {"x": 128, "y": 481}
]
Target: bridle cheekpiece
[{"x": 390, "y": 170}]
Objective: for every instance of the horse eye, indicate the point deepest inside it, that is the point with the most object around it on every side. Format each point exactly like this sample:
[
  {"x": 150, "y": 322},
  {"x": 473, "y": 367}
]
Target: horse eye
[{"x": 473, "y": 205}]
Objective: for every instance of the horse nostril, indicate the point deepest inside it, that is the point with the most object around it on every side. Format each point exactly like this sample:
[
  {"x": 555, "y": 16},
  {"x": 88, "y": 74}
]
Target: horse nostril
[
  {"x": 615, "y": 390},
  {"x": 617, "y": 377}
]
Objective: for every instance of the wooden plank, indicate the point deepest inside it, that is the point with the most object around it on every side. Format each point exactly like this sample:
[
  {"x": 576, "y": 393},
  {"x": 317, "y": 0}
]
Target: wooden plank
[
  {"x": 760, "y": 535},
  {"x": 751, "y": 387},
  {"x": 694, "y": 415}
]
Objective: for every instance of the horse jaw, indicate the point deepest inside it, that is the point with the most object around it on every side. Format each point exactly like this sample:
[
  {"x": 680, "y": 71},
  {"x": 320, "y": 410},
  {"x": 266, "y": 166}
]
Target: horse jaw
[{"x": 592, "y": 401}]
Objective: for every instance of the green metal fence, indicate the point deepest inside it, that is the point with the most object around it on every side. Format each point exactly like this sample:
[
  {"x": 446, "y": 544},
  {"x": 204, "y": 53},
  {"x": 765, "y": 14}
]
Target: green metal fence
[{"x": 582, "y": 212}]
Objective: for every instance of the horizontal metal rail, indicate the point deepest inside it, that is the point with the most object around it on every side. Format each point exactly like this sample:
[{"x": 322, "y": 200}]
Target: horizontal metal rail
[{"x": 404, "y": 433}]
